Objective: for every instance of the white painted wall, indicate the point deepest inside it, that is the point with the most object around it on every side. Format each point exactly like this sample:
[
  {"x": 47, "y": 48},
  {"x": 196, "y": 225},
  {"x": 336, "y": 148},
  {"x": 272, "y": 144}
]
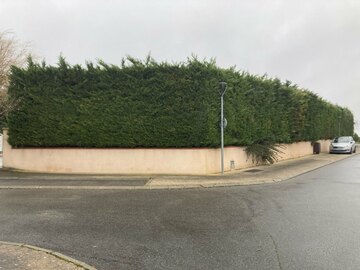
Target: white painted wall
[
  {"x": 1, "y": 149},
  {"x": 1, "y": 142}
]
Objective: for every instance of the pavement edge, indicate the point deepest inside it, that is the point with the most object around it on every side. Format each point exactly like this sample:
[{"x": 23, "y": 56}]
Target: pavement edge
[{"x": 53, "y": 253}]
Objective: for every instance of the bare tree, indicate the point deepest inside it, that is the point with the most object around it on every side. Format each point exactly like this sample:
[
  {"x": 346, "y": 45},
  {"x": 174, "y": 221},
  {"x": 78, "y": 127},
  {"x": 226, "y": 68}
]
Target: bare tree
[
  {"x": 6, "y": 104},
  {"x": 12, "y": 53}
]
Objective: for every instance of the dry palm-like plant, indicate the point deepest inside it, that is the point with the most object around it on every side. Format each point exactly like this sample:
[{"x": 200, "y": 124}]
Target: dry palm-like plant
[{"x": 264, "y": 151}]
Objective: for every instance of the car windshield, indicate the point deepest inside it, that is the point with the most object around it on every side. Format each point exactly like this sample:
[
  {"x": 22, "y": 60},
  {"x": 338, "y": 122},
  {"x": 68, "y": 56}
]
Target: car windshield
[{"x": 342, "y": 140}]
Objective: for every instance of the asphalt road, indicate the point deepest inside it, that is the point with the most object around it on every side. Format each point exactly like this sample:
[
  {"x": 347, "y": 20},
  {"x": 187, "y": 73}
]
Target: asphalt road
[{"x": 309, "y": 222}]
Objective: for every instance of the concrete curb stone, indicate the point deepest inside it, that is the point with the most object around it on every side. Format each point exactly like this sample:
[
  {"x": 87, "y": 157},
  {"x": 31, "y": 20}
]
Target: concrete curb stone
[{"x": 65, "y": 259}]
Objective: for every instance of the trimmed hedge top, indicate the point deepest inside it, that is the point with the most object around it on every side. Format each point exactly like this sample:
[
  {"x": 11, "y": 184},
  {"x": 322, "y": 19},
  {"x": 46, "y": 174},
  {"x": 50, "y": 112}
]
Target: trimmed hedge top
[{"x": 150, "y": 104}]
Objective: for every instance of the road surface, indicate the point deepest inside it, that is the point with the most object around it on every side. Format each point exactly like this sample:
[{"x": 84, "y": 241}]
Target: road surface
[{"x": 309, "y": 222}]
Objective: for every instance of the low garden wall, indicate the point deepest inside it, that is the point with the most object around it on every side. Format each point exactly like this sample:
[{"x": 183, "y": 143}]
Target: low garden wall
[{"x": 181, "y": 161}]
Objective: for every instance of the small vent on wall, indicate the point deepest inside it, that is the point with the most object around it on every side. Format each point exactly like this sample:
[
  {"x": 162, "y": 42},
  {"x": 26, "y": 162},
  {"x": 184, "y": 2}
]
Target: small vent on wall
[{"x": 232, "y": 164}]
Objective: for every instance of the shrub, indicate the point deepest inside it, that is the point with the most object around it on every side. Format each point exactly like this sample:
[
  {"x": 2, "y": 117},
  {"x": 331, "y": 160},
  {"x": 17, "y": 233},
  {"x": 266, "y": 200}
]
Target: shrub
[
  {"x": 356, "y": 137},
  {"x": 150, "y": 104},
  {"x": 264, "y": 152}
]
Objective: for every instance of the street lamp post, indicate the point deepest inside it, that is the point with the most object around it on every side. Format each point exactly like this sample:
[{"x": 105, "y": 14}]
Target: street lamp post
[
  {"x": 222, "y": 89},
  {"x": 340, "y": 117}
]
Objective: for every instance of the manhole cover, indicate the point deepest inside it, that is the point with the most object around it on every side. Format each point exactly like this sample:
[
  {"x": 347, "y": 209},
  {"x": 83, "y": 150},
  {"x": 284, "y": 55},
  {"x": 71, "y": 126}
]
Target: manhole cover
[{"x": 254, "y": 170}]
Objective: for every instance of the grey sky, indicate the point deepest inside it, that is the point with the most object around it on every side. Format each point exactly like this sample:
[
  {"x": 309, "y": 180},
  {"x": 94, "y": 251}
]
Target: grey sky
[{"x": 315, "y": 44}]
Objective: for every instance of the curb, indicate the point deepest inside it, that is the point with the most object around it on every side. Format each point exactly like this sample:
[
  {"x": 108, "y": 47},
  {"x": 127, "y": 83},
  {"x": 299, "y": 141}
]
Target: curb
[
  {"x": 53, "y": 253},
  {"x": 322, "y": 166}
]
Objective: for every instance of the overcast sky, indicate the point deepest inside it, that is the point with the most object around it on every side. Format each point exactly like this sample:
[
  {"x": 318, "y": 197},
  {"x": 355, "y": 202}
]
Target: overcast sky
[{"x": 313, "y": 43}]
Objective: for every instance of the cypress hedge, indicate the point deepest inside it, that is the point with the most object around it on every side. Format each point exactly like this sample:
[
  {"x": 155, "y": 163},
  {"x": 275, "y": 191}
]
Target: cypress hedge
[{"x": 151, "y": 104}]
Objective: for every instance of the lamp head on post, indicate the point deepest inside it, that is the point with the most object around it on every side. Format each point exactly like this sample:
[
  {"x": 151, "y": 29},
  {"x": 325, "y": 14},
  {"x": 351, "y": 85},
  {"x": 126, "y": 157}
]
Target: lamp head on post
[{"x": 222, "y": 88}]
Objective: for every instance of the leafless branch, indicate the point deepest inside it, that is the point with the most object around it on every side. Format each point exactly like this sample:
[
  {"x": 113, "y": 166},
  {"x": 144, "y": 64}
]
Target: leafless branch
[{"x": 12, "y": 53}]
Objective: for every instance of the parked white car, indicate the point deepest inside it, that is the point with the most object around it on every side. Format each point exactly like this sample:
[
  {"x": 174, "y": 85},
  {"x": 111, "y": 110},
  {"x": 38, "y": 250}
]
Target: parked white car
[{"x": 344, "y": 144}]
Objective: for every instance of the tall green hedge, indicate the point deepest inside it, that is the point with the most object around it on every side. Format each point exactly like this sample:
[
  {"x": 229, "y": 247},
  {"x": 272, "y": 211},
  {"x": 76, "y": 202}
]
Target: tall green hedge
[{"x": 150, "y": 104}]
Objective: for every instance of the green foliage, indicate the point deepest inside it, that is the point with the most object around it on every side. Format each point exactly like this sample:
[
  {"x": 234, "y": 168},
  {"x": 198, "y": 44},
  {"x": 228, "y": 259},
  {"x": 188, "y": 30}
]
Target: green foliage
[
  {"x": 356, "y": 137},
  {"x": 150, "y": 104},
  {"x": 264, "y": 151}
]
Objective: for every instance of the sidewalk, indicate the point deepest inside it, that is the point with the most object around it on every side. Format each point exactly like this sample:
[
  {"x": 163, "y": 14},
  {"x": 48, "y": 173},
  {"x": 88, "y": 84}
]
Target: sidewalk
[
  {"x": 15, "y": 256},
  {"x": 251, "y": 176}
]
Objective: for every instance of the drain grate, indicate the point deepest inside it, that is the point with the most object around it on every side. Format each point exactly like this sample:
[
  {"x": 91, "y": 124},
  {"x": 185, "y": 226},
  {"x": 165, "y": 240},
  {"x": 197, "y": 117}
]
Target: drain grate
[{"x": 254, "y": 170}]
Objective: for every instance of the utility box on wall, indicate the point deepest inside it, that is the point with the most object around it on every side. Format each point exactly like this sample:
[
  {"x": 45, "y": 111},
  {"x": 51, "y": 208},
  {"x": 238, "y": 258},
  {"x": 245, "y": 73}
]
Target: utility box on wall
[{"x": 317, "y": 148}]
